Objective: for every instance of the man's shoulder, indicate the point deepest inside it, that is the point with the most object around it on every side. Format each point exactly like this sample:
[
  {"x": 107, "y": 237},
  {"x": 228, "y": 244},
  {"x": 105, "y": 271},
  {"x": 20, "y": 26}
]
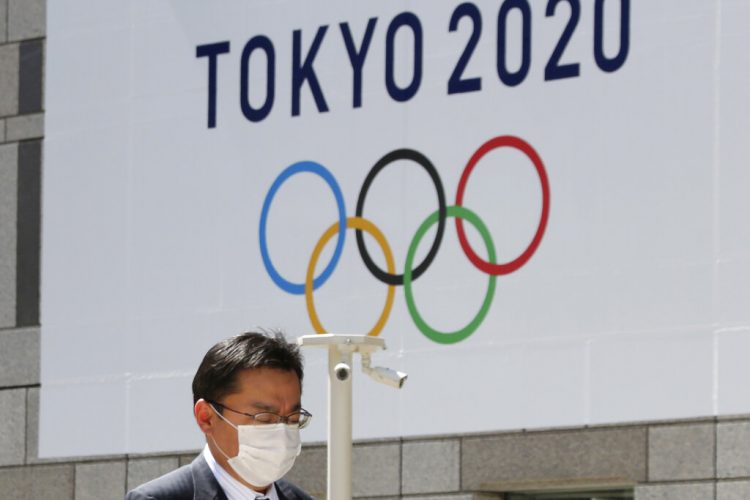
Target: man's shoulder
[
  {"x": 175, "y": 485},
  {"x": 290, "y": 491}
]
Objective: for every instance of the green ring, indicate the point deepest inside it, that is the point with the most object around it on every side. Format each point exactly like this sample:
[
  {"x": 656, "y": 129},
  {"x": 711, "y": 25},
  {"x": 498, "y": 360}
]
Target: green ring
[{"x": 427, "y": 330}]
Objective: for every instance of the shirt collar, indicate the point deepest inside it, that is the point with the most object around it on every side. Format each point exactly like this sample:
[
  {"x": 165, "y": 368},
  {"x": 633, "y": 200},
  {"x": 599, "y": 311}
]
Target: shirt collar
[{"x": 233, "y": 489}]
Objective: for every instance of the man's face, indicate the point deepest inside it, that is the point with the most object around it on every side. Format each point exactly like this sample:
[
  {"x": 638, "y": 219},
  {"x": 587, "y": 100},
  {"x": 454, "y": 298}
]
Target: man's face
[{"x": 260, "y": 390}]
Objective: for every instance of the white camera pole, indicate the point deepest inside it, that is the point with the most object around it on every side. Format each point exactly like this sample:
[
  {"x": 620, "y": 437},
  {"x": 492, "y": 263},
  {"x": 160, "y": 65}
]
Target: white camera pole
[{"x": 341, "y": 349}]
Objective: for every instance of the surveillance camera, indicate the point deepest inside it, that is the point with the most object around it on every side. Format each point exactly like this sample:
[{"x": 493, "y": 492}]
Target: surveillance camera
[
  {"x": 383, "y": 375},
  {"x": 342, "y": 371},
  {"x": 388, "y": 376}
]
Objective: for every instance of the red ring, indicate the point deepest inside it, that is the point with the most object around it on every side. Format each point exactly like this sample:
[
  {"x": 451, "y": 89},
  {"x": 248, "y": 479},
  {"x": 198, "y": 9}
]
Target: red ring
[{"x": 525, "y": 147}]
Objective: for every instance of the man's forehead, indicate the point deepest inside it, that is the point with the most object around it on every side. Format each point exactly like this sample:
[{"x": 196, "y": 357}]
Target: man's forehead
[{"x": 266, "y": 390}]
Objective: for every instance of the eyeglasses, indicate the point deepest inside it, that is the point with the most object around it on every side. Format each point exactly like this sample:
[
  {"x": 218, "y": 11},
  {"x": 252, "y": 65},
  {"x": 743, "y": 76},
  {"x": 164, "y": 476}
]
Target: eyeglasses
[{"x": 299, "y": 418}]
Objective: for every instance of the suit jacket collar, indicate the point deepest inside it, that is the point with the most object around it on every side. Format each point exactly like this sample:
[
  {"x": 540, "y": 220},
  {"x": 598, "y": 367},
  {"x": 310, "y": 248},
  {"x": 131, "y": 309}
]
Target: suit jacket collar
[
  {"x": 205, "y": 485},
  {"x": 280, "y": 491}
]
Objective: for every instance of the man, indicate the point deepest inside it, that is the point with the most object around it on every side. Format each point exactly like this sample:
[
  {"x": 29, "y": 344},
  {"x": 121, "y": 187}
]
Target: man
[{"x": 246, "y": 396}]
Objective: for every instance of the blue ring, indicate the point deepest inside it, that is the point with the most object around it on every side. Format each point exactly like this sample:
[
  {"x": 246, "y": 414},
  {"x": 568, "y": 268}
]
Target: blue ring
[{"x": 320, "y": 170}]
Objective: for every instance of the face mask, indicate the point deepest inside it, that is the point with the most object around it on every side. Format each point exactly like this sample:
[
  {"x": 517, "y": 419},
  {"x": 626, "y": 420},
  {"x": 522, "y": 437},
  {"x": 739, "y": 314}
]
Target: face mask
[{"x": 267, "y": 452}]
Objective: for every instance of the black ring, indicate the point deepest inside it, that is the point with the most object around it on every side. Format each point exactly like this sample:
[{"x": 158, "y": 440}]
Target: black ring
[{"x": 417, "y": 157}]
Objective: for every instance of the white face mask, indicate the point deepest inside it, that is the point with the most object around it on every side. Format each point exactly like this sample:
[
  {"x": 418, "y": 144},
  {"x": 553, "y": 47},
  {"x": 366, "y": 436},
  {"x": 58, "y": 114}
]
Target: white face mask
[{"x": 266, "y": 452}]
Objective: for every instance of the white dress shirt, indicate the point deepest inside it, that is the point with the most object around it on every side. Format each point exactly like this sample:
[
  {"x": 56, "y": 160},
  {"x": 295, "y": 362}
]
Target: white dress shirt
[{"x": 233, "y": 489}]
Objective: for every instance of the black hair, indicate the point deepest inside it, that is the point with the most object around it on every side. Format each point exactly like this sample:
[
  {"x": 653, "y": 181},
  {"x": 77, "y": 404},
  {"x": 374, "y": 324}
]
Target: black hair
[{"x": 217, "y": 374}]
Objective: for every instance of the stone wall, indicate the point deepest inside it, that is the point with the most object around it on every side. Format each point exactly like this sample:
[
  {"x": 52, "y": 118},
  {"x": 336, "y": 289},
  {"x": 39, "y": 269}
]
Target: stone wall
[{"x": 685, "y": 460}]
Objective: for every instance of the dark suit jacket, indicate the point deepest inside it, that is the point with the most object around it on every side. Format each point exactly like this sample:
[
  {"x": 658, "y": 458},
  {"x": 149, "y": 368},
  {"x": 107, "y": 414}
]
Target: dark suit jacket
[{"x": 197, "y": 482}]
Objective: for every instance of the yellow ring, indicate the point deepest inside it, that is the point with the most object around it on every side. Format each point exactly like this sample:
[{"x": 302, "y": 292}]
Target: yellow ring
[{"x": 368, "y": 227}]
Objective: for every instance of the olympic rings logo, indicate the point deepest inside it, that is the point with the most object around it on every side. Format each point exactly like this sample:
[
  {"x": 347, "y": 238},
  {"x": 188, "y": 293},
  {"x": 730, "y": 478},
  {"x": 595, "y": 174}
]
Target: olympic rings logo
[{"x": 360, "y": 224}]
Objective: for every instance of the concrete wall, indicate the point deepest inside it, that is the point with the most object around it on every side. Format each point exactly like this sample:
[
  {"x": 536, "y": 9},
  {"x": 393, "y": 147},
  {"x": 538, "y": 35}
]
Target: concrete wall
[{"x": 697, "y": 459}]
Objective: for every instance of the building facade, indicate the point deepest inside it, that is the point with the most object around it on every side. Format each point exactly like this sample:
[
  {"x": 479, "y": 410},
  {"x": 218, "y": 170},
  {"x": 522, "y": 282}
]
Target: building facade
[{"x": 695, "y": 459}]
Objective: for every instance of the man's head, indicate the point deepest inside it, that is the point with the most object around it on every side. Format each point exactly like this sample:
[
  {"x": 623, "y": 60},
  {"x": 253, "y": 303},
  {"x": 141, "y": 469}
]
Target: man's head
[
  {"x": 250, "y": 374},
  {"x": 218, "y": 373}
]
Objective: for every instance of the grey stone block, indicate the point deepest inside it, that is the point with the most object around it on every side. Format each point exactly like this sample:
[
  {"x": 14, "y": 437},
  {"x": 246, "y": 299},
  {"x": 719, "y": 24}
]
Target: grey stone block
[
  {"x": 32, "y": 425},
  {"x": 681, "y": 452},
  {"x": 16, "y": 480},
  {"x": 9, "y": 68},
  {"x": 23, "y": 127},
  {"x": 13, "y": 428},
  {"x": 19, "y": 357},
  {"x": 587, "y": 455},
  {"x": 309, "y": 471},
  {"x": 2, "y": 128},
  {"x": 685, "y": 491},
  {"x": 732, "y": 490},
  {"x": 143, "y": 470},
  {"x": 733, "y": 449},
  {"x": 49, "y": 482},
  {"x": 376, "y": 469},
  {"x": 26, "y": 19},
  {"x": 100, "y": 481},
  {"x": 52, "y": 482},
  {"x": 8, "y": 217},
  {"x": 431, "y": 466}
]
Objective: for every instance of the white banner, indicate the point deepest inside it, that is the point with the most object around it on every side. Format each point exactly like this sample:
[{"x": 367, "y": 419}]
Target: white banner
[{"x": 540, "y": 205}]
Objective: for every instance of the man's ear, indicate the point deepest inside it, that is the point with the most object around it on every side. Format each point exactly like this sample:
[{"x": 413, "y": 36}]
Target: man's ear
[{"x": 205, "y": 416}]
